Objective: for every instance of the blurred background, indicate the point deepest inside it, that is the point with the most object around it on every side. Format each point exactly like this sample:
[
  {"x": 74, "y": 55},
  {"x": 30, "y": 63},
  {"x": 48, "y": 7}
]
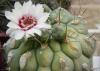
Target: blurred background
[{"x": 91, "y": 10}]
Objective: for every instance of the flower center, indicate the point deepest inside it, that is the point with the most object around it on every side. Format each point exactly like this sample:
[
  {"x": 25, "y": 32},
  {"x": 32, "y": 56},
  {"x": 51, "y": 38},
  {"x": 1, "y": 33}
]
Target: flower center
[{"x": 27, "y": 22}]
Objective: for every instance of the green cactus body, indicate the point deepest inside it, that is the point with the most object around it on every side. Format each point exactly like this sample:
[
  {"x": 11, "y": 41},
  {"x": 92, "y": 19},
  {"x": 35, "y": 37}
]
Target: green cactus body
[
  {"x": 12, "y": 44},
  {"x": 82, "y": 64},
  {"x": 61, "y": 62},
  {"x": 44, "y": 53},
  {"x": 59, "y": 31},
  {"x": 25, "y": 46},
  {"x": 72, "y": 49},
  {"x": 64, "y": 48},
  {"x": 86, "y": 45},
  {"x": 31, "y": 63},
  {"x": 55, "y": 46},
  {"x": 64, "y": 15},
  {"x": 44, "y": 69},
  {"x": 79, "y": 25}
]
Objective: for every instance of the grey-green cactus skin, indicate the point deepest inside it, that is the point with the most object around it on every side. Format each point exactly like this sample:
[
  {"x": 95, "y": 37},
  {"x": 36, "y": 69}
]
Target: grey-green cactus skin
[{"x": 67, "y": 49}]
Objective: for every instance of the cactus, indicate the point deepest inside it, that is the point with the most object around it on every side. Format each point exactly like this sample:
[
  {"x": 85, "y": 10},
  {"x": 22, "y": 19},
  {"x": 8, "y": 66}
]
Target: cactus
[{"x": 64, "y": 48}]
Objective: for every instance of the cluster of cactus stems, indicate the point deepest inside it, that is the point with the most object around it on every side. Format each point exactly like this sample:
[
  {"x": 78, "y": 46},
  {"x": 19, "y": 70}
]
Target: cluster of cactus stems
[{"x": 64, "y": 48}]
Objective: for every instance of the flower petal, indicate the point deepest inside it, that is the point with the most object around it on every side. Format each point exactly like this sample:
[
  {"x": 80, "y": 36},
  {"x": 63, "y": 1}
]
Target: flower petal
[
  {"x": 18, "y": 14},
  {"x": 32, "y": 31},
  {"x": 27, "y": 36},
  {"x": 17, "y": 5},
  {"x": 27, "y": 4},
  {"x": 18, "y": 10},
  {"x": 43, "y": 26},
  {"x": 13, "y": 25},
  {"x": 17, "y": 34},
  {"x": 39, "y": 8},
  {"x": 26, "y": 7},
  {"x": 9, "y": 31},
  {"x": 11, "y": 16},
  {"x": 43, "y": 17}
]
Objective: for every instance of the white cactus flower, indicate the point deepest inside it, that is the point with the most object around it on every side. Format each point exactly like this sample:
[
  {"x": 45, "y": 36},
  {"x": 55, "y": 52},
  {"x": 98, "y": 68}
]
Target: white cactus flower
[{"x": 27, "y": 19}]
